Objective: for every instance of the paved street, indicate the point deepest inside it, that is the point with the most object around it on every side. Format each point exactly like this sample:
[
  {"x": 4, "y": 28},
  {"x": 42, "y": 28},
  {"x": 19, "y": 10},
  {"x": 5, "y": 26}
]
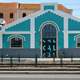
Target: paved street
[{"x": 39, "y": 76}]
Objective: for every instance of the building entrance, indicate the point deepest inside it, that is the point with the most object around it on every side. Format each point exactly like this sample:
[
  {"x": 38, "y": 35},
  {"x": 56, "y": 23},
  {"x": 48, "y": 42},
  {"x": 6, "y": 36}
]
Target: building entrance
[{"x": 49, "y": 41}]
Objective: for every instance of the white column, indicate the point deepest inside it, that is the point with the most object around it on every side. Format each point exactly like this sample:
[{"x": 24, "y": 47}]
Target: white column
[
  {"x": 65, "y": 32},
  {"x": 32, "y": 30},
  {"x": 0, "y": 40}
]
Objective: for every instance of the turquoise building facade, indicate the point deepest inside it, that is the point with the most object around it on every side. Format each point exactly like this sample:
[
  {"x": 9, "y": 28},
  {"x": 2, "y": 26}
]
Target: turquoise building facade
[{"x": 48, "y": 30}]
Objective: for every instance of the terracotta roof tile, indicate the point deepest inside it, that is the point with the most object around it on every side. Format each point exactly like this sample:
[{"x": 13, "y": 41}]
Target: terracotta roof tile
[
  {"x": 14, "y": 5},
  {"x": 29, "y": 6},
  {"x": 62, "y": 8}
]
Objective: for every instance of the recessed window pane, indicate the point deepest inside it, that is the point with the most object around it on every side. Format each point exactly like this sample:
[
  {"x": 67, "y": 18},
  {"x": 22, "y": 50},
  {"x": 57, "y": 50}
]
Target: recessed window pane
[
  {"x": 1, "y": 15},
  {"x": 11, "y": 15},
  {"x": 24, "y": 14},
  {"x": 78, "y": 42}
]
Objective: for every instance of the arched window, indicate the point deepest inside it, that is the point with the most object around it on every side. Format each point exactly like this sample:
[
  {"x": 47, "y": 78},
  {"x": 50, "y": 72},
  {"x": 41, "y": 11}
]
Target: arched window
[
  {"x": 48, "y": 31},
  {"x": 16, "y": 42},
  {"x": 49, "y": 40}
]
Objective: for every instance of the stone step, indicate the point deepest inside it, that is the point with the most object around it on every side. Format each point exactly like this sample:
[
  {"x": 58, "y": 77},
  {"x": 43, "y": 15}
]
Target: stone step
[
  {"x": 39, "y": 72},
  {"x": 38, "y": 69}
]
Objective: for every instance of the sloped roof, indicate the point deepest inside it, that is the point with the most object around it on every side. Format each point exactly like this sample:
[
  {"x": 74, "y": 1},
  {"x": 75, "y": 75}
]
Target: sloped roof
[
  {"x": 11, "y": 5},
  {"x": 31, "y": 6},
  {"x": 64, "y": 9}
]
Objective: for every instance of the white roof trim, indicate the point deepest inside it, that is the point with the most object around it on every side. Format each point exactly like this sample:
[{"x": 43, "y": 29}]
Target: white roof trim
[
  {"x": 57, "y": 12},
  {"x": 38, "y": 13},
  {"x": 20, "y": 20},
  {"x": 68, "y": 15}
]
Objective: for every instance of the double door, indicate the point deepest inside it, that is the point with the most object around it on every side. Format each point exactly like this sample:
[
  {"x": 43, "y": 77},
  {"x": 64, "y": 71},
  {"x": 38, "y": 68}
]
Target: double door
[{"x": 49, "y": 47}]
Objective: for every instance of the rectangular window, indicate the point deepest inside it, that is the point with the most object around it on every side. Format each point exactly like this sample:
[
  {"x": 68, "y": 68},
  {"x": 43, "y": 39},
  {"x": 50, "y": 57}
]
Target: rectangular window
[
  {"x": 11, "y": 15},
  {"x": 78, "y": 42},
  {"x": 78, "y": 45},
  {"x": 1, "y": 15}
]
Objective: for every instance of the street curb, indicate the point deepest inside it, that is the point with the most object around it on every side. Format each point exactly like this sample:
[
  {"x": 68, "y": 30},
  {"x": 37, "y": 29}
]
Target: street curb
[{"x": 39, "y": 72}]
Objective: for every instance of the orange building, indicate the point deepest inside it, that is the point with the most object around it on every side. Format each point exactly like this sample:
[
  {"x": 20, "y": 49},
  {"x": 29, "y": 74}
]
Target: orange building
[{"x": 13, "y": 11}]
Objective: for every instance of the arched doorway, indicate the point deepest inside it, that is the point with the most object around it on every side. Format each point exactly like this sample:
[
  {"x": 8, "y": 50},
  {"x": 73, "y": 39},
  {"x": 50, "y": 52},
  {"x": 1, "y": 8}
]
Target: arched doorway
[{"x": 49, "y": 42}]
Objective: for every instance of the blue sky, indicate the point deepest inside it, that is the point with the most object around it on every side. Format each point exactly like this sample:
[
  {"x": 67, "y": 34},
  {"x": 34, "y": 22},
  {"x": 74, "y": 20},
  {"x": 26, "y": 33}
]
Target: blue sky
[{"x": 73, "y": 4}]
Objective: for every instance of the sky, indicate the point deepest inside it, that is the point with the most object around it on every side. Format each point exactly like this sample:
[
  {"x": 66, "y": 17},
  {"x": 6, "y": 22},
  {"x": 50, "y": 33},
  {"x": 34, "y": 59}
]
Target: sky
[{"x": 72, "y": 4}]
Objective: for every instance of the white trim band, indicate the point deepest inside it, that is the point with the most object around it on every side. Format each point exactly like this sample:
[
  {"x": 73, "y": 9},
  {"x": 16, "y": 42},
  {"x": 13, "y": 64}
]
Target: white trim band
[
  {"x": 73, "y": 32},
  {"x": 0, "y": 40},
  {"x": 28, "y": 32},
  {"x": 65, "y": 32},
  {"x": 32, "y": 29}
]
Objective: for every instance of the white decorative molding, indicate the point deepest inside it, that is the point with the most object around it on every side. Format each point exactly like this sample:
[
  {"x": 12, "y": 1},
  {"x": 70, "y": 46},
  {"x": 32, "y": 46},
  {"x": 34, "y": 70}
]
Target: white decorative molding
[
  {"x": 32, "y": 30},
  {"x": 65, "y": 32},
  {"x": 64, "y": 14},
  {"x": 49, "y": 22},
  {"x": 73, "y": 32},
  {"x": 22, "y": 19},
  {"x": 40, "y": 12},
  {"x": 16, "y": 36},
  {"x": 0, "y": 40},
  {"x": 20, "y": 32}
]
